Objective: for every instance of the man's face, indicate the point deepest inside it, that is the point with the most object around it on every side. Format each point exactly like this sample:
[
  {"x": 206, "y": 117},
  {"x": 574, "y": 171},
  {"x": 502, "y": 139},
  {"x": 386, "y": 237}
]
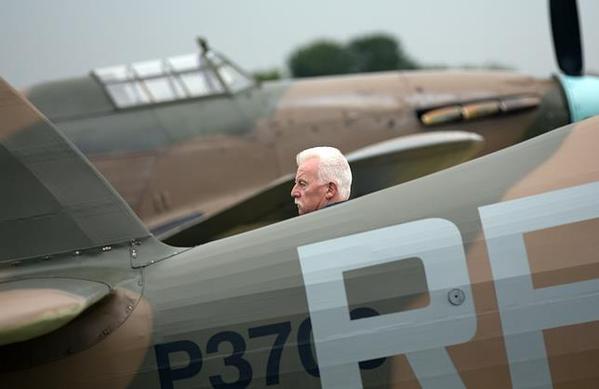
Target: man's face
[{"x": 309, "y": 193}]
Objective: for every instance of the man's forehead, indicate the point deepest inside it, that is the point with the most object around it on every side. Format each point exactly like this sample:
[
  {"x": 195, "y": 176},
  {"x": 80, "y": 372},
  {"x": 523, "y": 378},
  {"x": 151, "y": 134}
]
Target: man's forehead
[
  {"x": 308, "y": 168},
  {"x": 310, "y": 163}
]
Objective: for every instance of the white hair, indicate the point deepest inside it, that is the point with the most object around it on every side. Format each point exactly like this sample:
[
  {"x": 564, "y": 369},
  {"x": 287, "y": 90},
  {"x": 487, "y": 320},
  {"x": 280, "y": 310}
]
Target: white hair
[{"x": 332, "y": 167}]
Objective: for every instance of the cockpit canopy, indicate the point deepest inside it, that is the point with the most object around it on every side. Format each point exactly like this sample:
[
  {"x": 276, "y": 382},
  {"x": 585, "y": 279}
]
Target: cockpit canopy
[{"x": 172, "y": 79}]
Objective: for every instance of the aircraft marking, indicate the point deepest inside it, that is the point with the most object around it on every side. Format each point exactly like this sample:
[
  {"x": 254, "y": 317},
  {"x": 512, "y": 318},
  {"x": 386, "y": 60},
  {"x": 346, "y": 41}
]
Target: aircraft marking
[
  {"x": 169, "y": 374},
  {"x": 524, "y": 310},
  {"x": 235, "y": 360},
  {"x": 344, "y": 345},
  {"x": 341, "y": 342},
  {"x": 282, "y": 331}
]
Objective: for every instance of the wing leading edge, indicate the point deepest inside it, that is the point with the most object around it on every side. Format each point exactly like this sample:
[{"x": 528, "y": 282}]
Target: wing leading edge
[
  {"x": 375, "y": 167},
  {"x": 67, "y": 239}
]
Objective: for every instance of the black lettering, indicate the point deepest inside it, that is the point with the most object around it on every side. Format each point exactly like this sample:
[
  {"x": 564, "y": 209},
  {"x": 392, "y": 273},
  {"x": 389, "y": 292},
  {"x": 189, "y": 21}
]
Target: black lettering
[{"x": 167, "y": 374}]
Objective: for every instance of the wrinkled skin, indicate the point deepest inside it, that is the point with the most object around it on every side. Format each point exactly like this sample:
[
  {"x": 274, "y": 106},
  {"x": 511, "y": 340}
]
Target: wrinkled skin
[{"x": 309, "y": 192}]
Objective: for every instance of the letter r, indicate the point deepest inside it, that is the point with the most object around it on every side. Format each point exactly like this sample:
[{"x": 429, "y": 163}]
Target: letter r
[{"x": 422, "y": 334}]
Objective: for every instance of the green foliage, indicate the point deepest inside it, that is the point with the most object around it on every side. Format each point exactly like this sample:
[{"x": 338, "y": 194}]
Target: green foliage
[
  {"x": 379, "y": 52},
  {"x": 322, "y": 57},
  {"x": 365, "y": 53},
  {"x": 369, "y": 53},
  {"x": 267, "y": 75}
]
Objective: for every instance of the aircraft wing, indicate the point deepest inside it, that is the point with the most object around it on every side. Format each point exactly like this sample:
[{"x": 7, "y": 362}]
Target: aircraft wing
[
  {"x": 35, "y": 307},
  {"x": 67, "y": 238},
  {"x": 374, "y": 168}
]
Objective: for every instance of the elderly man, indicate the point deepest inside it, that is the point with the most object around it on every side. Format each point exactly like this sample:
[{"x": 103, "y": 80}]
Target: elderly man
[{"x": 323, "y": 178}]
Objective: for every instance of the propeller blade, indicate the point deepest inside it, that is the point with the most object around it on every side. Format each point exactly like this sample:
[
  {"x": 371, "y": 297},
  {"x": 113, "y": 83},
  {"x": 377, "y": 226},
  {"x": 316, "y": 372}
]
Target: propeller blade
[{"x": 566, "y": 36}]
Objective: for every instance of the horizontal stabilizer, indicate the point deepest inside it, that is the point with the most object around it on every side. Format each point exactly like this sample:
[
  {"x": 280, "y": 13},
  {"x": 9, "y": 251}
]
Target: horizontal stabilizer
[
  {"x": 35, "y": 307},
  {"x": 374, "y": 167},
  {"x": 52, "y": 199}
]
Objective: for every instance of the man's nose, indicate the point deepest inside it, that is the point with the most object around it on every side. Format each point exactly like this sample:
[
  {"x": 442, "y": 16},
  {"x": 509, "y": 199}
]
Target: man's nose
[{"x": 294, "y": 191}]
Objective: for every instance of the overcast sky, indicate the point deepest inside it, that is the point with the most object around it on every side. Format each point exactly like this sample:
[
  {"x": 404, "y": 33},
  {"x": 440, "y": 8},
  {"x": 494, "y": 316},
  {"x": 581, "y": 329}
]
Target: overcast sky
[{"x": 46, "y": 40}]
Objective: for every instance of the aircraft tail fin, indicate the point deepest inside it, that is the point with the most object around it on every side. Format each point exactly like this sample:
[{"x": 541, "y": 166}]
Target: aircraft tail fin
[{"x": 52, "y": 199}]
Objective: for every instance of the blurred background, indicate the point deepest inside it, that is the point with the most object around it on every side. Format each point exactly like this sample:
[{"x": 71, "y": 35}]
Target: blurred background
[{"x": 42, "y": 40}]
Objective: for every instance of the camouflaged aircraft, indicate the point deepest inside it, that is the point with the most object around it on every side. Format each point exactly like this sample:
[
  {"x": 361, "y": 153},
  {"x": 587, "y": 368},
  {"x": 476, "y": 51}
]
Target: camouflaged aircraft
[
  {"x": 484, "y": 275},
  {"x": 199, "y": 149}
]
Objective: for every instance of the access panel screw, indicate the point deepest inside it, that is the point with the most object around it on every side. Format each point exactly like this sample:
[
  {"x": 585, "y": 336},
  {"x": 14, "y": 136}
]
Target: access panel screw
[{"x": 456, "y": 296}]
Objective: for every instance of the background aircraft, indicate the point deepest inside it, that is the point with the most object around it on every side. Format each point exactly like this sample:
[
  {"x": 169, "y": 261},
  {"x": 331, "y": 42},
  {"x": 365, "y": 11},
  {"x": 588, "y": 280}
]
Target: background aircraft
[
  {"x": 184, "y": 140},
  {"x": 483, "y": 275}
]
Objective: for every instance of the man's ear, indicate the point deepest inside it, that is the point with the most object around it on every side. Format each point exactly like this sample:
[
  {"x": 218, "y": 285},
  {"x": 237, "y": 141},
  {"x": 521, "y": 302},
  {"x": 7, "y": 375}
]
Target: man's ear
[{"x": 331, "y": 191}]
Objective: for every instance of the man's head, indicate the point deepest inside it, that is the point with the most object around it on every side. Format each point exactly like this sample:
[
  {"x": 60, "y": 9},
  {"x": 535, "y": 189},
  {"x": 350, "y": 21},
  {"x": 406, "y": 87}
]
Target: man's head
[{"x": 323, "y": 177}]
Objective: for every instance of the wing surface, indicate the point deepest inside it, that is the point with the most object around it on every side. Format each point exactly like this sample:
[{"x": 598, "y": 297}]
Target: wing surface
[
  {"x": 375, "y": 167},
  {"x": 67, "y": 239},
  {"x": 35, "y": 307},
  {"x": 52, "y": 198}
]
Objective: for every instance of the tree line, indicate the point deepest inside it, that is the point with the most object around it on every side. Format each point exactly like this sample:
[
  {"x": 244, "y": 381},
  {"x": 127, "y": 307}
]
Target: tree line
[{"x": 363, "y": 54}]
